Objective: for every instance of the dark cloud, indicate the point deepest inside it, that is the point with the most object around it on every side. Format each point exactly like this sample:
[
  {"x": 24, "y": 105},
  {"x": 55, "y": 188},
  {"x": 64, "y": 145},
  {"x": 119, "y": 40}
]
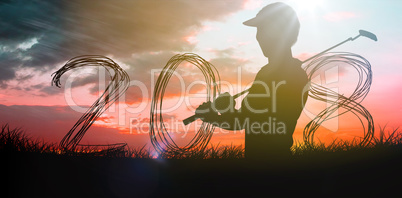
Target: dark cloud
[
  {"x": 7, "y": 72},
  {"x": 64, "y": 29},
  {"x": 23, "y": 20},
  {"x": 44, "y": 89},
  {"x": 85, "y": 80},
  {"x": 49, "y": 90}
]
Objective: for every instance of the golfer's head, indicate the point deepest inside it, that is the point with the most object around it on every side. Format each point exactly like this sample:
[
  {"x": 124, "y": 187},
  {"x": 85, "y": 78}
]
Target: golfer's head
[{"x": 277, "y": 24}]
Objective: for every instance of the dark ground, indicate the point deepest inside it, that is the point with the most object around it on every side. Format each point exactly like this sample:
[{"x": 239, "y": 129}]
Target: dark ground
[{"x": 337, "y": 174}]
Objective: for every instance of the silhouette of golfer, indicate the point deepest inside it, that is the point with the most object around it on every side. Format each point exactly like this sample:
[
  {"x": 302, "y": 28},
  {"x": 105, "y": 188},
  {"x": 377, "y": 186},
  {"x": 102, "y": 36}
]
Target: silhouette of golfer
[{"x": 270, "y": 111}]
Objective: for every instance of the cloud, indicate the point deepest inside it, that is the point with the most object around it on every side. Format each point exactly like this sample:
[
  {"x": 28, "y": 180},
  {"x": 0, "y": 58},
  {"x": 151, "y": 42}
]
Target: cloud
[
  {"x": 64, "y": 29},
  {"x": 252, "y": 4},
  {"x": 145, "y": 68},
  {"x": 6, "y": 73},
  {"x": 304, "y": 56},
  {"x": 228, "y": 66},
  {"x": 339, "y": 16},
  {"x": 51, "y": 124}
]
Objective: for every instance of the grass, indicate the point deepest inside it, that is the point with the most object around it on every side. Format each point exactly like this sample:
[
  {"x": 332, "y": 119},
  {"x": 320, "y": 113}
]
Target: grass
[
  {"x": 211, "y": 152},
  {"x": 384, "y": 141},
  {"x": 40, "y": 169},
  {"x": 15, "y": 140}
]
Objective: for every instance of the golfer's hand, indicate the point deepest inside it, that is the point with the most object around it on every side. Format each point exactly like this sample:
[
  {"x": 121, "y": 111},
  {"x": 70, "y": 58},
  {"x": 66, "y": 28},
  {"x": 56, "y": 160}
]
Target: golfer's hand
[
  {"x": 205, "y": 111},
  {"x": 224, "y": 103}
]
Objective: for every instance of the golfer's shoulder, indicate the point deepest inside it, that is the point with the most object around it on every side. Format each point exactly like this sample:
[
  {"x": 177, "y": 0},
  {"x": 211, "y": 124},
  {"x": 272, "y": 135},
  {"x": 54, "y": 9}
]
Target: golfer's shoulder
[
  {"x": 297, "y": 62},
  {"x": 298, "y": 71}
]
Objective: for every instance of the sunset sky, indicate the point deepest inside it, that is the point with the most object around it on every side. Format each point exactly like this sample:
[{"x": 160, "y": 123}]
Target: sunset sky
[{"x": 39, "y": 37}]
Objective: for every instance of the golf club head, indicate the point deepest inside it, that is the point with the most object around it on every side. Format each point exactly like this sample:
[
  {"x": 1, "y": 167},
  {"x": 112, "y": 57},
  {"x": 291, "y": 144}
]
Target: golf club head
[{"x": 368, "y": 34}]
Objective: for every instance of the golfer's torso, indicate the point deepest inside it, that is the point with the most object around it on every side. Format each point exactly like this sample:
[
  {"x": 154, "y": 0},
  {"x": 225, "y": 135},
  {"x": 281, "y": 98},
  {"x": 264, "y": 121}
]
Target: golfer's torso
[{"x": 276, "y": 99}]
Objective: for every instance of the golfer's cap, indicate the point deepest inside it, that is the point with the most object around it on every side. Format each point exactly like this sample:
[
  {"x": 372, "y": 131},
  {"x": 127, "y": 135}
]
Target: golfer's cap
[{"x": 271, "y": 12}]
